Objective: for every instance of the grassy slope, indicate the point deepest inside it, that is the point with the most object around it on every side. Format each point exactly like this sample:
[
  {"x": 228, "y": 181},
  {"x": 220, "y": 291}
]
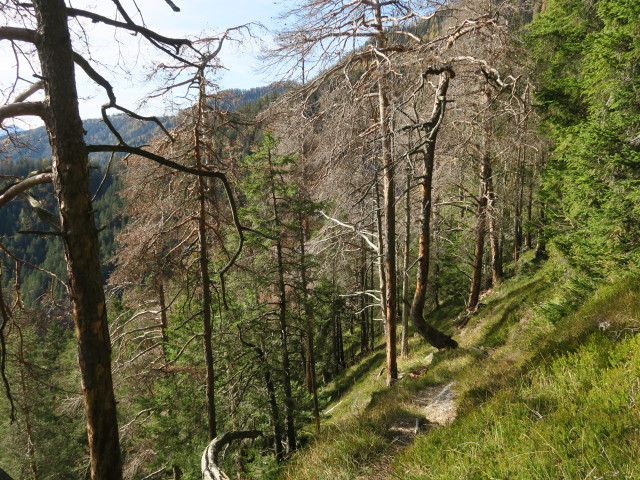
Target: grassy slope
[{"x": 548, "y": 376}]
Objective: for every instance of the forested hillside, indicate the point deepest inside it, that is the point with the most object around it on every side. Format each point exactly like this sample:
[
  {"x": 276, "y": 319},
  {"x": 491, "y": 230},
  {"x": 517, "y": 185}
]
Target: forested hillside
[{"x": 419, "y": 261}]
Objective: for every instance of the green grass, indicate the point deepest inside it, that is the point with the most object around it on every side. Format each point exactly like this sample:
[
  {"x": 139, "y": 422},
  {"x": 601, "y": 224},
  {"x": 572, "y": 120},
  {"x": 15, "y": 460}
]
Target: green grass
[
  {"x": 566, "y": 407},
  {"x": 548, "y": 377}
]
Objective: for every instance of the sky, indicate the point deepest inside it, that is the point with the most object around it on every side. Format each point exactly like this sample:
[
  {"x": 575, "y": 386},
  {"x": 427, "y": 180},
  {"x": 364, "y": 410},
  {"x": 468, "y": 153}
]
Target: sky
[{"x": 124, "y": 63}]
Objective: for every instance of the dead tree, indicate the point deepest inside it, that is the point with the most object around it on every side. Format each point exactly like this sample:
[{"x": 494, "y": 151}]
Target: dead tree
[
  {"x": 209, "y": 461},
  {"x": 55, "y": 62},
  {"x": 426, "y": 148}
]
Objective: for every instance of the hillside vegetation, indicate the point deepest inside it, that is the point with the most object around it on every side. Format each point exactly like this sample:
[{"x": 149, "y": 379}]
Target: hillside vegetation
[
  {"x": 546, "y": 381},
  {"x": 419, "y": 261}
]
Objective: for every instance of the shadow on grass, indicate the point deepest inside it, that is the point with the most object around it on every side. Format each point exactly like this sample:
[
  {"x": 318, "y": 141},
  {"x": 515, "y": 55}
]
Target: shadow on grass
[
  {"x": 344, "y": 381},
  {"x": 507, "y": 310}
]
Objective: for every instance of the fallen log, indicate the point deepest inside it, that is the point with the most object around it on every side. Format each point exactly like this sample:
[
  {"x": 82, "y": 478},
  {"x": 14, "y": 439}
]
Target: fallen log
[{"x": 209, "y": 461}]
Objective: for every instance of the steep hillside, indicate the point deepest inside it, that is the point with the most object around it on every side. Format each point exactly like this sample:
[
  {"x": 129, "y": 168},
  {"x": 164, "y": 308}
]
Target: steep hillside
[{"x": 545, "y": 382}]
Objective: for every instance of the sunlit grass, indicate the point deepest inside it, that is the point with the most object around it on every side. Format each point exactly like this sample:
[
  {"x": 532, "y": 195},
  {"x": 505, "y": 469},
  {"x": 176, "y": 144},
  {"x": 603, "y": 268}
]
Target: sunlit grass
[{"x": 548, "y": 377}]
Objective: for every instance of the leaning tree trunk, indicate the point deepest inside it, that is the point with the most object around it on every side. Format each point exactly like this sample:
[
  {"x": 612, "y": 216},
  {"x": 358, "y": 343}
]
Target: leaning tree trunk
[
  {"x": 209, "y": 460},
  {"x": 79, "y": 235},
  {"x": 430, "y": 334}
]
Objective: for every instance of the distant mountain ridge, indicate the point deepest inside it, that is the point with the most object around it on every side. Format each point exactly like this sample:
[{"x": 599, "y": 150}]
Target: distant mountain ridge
[{"x": 34, "y": 144}]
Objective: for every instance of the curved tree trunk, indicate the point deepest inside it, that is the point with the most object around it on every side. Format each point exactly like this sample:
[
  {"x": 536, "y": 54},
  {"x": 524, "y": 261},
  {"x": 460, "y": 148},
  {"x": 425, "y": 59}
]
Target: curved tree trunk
[
  {"x": 430, "y": 334},
  {"x": 80, "y": 236},
  {"x": 209, "y": 460}
]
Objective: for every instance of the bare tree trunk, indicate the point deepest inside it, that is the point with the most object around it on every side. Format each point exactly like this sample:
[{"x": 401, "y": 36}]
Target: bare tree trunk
[
  {"x": 528, "y": 235},
  {"x": 478, "y": 254},
  {"x": 310, "y": 358},
  {"x": 80, "y": 236},
  {"x": 388, "y": 182},
  {"x": 209, "y": 460},
  {"x": 364, "y": 320},
  {"x": 343, "y": 364},
  {"x": 203, "y": 259},
  {"x": 517, "y": 208},
  {"x": 381, "y": 248},
  {"x": 273, "y": 403},
  {"x": 404, "y": 341},
  {"x": 497, "y": 272},
  {"x": 164, "y": 323},
  {"x": 26, "y": 410},
  {"x": 372, "y": 319},
  {"x": 430, "y": 334}
]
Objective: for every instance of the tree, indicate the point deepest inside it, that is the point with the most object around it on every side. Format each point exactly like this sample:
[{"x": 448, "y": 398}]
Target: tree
[
  {"x": 56, "y": 67},
  {"x": 323, "y": 31},
  {"x": 585, "y": 59}
]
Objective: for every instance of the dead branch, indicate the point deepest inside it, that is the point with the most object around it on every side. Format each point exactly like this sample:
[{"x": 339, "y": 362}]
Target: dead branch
[{"x": 209, "y": 461}]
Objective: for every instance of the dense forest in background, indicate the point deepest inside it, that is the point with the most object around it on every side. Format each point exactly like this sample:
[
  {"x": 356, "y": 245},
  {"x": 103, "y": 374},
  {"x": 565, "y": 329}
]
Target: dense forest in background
[{"x": 401, "y": 183}]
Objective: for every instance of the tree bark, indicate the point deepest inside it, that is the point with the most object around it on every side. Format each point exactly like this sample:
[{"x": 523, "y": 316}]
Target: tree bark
[
  {"x": 404, "y": 340},
  {"x": 478, "y": 254},
  {"x": 432, "y": 127},
  {"x": 273, "y": 403},
  {"x": 381, "y": 246},
  {"x": 203, "y": 260},
  {"x": 80, "y": 236},
  {"x": 497, "y": 272},
  {"x": 209, "y": 460},
  {"x": 517, "y": 208},
  {"x": 310, "y": 358},
  {"x": 364, "y": 320},
  {"x": 164, "y": 323}
]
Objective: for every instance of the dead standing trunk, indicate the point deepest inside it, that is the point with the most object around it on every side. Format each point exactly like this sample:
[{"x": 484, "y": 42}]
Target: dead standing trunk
[
  {"x": 80, "y": 236},
  {"x": 364, "y": 320},
  {"x": 203, "y": 260},
  {"x": 404, "y": 340},
  {"x": 431, "y": 128},
  {"x": 481, "y": 218},
  {"x": 495, "y": 233},
  {"x": 388, "y": 181},
  {"x": 164, "y": 322}
]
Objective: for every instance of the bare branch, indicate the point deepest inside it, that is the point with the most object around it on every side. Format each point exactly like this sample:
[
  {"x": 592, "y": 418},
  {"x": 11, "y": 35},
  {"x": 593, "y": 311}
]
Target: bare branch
[
  {"x": 18, "y": 34},
  {"x": 22, "y": 109},
  {"x": 130, "y": 26},
  {"x": 29, "y": 91},
  {"x": 24, "y": 185}
]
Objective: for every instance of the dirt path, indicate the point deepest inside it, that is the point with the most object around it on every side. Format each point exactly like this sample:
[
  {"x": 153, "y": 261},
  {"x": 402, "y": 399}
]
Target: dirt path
[{"x": 430, "y": 407}]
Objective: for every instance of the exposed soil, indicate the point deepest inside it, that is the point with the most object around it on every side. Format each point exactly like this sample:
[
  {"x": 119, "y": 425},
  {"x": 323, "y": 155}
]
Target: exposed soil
[{"x": 433, "y": 406}]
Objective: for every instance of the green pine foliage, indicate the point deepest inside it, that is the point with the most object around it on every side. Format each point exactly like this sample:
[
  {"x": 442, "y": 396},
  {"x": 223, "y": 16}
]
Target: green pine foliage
[
  {"x": 45, "y": 251},
  {"x": 587, "y": 60}
]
